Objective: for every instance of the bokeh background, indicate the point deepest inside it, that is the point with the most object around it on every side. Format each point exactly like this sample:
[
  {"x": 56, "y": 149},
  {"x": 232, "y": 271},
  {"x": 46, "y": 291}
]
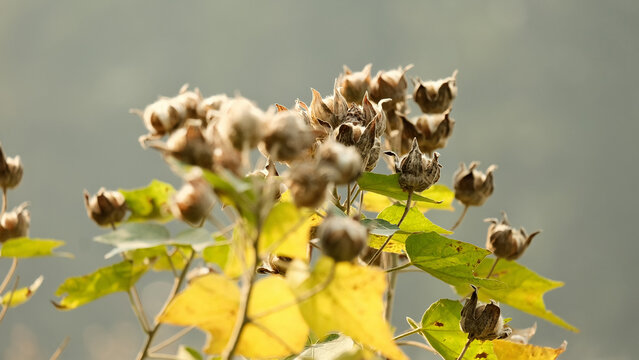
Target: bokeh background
[{"x": 548, "y": 91}]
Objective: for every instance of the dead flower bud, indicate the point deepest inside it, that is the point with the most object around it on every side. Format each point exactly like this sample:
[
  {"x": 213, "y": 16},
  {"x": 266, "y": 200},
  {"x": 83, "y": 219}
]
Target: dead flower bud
[
  {"x": 307, "y": 185},
  {"x": 473, "y": 187},
  {"x": 15, "y": 223},
  {"x": 163, "y": 116},
  {"x": 11, "y": 171},
  {"x": 435, "y": 97},
  {"x": 189, "y": 145},
  {"x": 189, "y": 100},
  {"x": 338, "y": 163},
  {"x": 194, "y": 201},
  {"x": 506, "y": 242},
  {"x": 482, "y": 321},
  {"x": 390, "y": 85},
  {"x": 276, "y": 265},
  {"x": 241, "y": 122},
  {"x": 208, "y": 108},
  {"x": 287, "y": 137},
  {"x": 417, "y": 171},
  {"x": 342, "y": 238},
  {"x": 432, "y": 132},
  {"x": 355, "y": 84},
  {"x": 106, "y": 207}
]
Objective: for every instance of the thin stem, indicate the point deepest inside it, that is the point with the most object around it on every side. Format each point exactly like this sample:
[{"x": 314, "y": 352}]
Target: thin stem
[
  {"x": 60, "y": 349},
  {"x": 10, "y": 273},
  {"x": 408, "y": 333},
  {"x": 417, "y": 344},
  {"x": 390, "y": 294},
  {"x": 5, "y": 308},
  {"x": 461, "y": 356},
  {"x": 4, "y": 201},
  {"x": 461, "y": 217},
  {"x": 492, "y": 268},
  {"x": 379, "y": 251},
  {"x": 348, "y": 199},
  {"x": 137, "y": 312},
  {"x": 176, "y": 287},
  {"x": 177, "y": 336},
  {"x": 220, "y": 227},
  {"x": 400, "y": 267},
  {"x": 337, "y": 199},
  {"x": 361, "y": 200},
  {"x": 162, "y": 356}
]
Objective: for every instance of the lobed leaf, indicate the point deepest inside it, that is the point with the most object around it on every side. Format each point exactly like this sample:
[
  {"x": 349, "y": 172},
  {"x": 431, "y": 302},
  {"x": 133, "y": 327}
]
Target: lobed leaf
[
  {"x": 524, "y": 289},
  {"x": 388, "y": 185},
  {"x": 25, "y": 247},
  {"x": 150, "y": 202},
  {"x": 514, "y": 351},
  {"x": 77, "y": 291},
  {"x": 22, "y": 295},
  {"x": 350, "y": 303}
]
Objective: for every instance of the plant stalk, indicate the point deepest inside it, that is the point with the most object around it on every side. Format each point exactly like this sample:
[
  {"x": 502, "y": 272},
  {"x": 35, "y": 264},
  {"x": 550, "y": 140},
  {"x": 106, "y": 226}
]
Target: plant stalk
[
  {"x": 379, "y": 251},
  {"x": 492, "y": 268},
  {"x": 461, "y": 217},
  {"x": 461, "y": 356}
]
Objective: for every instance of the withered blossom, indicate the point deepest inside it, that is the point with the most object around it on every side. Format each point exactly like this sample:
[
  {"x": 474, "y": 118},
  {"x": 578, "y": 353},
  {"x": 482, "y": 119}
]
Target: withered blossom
[
  {"x": 105, "y": 207},
  {"x": 473, "y": 187},
  {"x": 482, "y": 321},
  {"x": 435, "y": 97},
  {"x": 506, "y": 242}
]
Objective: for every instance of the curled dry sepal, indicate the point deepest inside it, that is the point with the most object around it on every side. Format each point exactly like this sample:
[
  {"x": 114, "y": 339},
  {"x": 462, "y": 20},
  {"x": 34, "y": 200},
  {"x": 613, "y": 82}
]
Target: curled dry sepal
[
  {"x": 473, "y": 187},
  {"x": 11, "y": 171},
  {"x": 342, "y": 238},
  {"x": 505, "y": 241},
  {"x": 482, "y": 321},
  {"x": 105, "y": 207},
  {"x": 355, "y": 84},
  {"x": 15, "y": 223},
  {"x": 416, "y": 171}
]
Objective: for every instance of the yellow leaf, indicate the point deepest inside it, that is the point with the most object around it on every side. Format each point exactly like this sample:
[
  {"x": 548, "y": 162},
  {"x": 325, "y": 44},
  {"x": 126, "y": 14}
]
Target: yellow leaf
[
  {"x": 376, "y": 202},
  {"x": 514, "y": 351},
  {"x": 351, "y": 303},
  {"x": 211, "y": 303},
  {"x": 286, "y": 231},
  {"x": 20, "y": 296}
]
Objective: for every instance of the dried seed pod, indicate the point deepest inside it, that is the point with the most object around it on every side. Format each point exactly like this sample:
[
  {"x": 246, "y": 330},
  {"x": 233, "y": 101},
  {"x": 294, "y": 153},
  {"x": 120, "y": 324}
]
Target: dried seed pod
[
  {"x": 417, "y": 171},
  {"x": 276, "y": 265},
  {"x": 307, "y": 185},
  {"x": 189, "y": 100},
  {"x": 506, "y": 242},
  {"x": 355, "y": 84},
  {"x": 163, "y": 116},
  {"x": 15, "y": 223},
  {"x": 342, "y": 238},
  {"x": 11, "y": 171},
  {"x": 473, "y": 187},
  {"x": 208, "y": 108},
  {"x": 432, "y": 132},
  {"x": 189, "y": 145},
  {"x": 435, "y": 97},
  {"x": 482, "y": 321},
  {"x": 338, "y": 163},
  {"x": 105, "y": 207},
  {"x": 225, "y": 156},
  {"x": 373, "y": 155},
  {"x": 194, "y": 201},
  {"x": 241, "y": 122},
  {"x": 287, "y": 137},
  {"x": 390, "y": 85}
]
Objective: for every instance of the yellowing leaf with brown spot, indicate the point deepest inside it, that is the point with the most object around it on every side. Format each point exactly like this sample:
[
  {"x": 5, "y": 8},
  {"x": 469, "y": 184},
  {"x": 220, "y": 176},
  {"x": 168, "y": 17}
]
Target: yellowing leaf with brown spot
[
  {"x": 351, "y": 303},
  {"x": 514, "y": 351},
  {"x": 211, "y": 303}
]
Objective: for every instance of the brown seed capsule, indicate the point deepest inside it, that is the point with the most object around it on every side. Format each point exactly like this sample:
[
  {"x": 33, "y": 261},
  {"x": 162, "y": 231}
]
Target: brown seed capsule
[
  {"x": 432, "y": 132},
  {"x": 506, "y": 242},
  {"x": 163, "y": 116},
  {"x": 435, "y": 97},
  {"x": 338, "y": 163},
  {"x": 106, "y": 207},
  {"x": 209, "y": 108},
  {"x": 189, "y": 145},
  {"x": 355, "y": 84},
  {"x": 417, "y": 171},
  {"x": 194, "y": 201},
  {"x": 15, "y": 223},
  {"x": 482, "y": 321},
  {"x": 11, "y": 171},
  {"x": 473, "y": 187},
  {"x": 241, "y": 122},
  {"x": 287, "y": 137},
  {"x": 390, "y": 85},
  {"x": 276, "y": 265},
  {"x": 342, "y": 238},
  {"x": 189, "y": 100},
  {"x": 307, "y": 185}
]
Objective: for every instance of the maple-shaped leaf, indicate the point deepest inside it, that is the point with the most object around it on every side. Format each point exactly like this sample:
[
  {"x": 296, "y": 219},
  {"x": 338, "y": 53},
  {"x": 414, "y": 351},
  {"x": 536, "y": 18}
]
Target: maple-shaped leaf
[{"x": 350, "y": 302}]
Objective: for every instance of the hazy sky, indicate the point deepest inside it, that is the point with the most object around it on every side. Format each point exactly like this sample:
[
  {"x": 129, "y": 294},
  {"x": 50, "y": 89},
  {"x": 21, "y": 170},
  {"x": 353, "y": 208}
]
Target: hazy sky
[{"x": 547, "y": 90}]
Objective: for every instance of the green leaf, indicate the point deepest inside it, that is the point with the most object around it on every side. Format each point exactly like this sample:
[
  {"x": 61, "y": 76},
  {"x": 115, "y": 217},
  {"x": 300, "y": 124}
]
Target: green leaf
[
  {"x": 25, "y": 247},
  {"x": 198, "y": 239},
  {"x": 157, "y": 257},
  {"x": 234, "y": 191},
  {"x": 414, "y": 222},
  {"x": 380, "y": 227},
  {"x": 77, "y": 291},
  {"x": 440, "y": 325},
  {"x": 387, "y": 185},
  {"x": 451, "y": 261},
  {"x": 286, "y": 231},
  {"x": 20, "y": 296},
  {"x": 134, "y": 236},
  {"x": 329, "y": 350},
  {"x": 376, "y": 202},
  {"x": 187, "y": 353},
  {"x": 149, "y": 203},
  {"x": 524, "y": 289},
  {"x": 217, "y": 253}
]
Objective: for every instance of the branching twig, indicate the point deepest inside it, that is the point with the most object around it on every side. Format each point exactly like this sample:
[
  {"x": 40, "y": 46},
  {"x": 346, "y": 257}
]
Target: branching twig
[
  {"x": 408, "y": 333},
  {"x": 4, "y": 201},
  {"x": 461, "y": 217},
  {"x": 417, "y": 344},
  {"x": 177, "y": 336},
  {"x": 60, "y": 349},
  {"x": 379, "y": 251}
]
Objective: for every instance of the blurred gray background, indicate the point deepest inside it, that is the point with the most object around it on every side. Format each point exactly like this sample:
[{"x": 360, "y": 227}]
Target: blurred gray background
[{"x": 548, "y": 91}]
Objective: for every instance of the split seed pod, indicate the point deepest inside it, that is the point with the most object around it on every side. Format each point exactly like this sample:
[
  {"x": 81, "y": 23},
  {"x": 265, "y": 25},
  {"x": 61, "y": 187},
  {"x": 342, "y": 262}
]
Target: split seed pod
[
  {"x": 432, "y": 132},
  {"x": 194, "y": 201},
  {"x": 106, "y": 207},
  {"x": 483, "y": 321},
  {"x": 15, "y": 223},
  {"x": 241, "y": 122},
  {"x": 473, "y": 187},
  {"x": 189, "y": 145},
  {"x": 11, "y": 171},
  {"x": 417, "y": 171},
  {"x": 209, "y": 107},
  {"x": 342, "y": 238},
  {"x": 355, "y": 84},
  {"x": 435, "y": 97},
  {"x": 390, "y": 85},
  {"x": 287, "y": 137},
  {"x": 506, "y": 242}
]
